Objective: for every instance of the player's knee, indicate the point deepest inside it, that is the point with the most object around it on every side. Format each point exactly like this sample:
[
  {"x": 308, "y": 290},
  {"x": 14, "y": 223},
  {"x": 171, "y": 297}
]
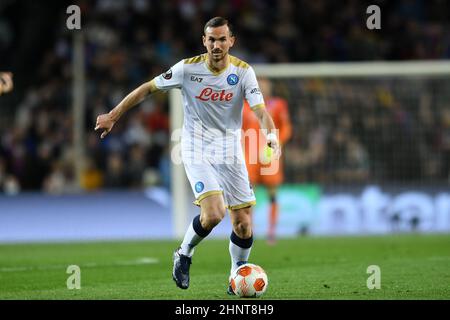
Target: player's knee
[
  {"x": 242, "y": 226},
  {"x": 212, "y": 217},
  {"x": 211, "y": 221},
  {"x": 243, "y": 229}
]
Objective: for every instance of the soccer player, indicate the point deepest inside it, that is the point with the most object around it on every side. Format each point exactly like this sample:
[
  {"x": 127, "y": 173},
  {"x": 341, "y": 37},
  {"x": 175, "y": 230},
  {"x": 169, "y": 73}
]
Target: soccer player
[
  {"x": 214, "y": 86},
  {"x": 6, "y": 82},
  {"x": 278, "y": 109}
]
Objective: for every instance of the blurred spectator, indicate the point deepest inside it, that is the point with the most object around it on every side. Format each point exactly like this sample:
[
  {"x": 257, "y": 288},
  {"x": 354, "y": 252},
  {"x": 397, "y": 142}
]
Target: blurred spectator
[
  {"x": 92, "y": 177},
  {"x": 115, "y": 176},
  {"x": 6, "y": 82},
  {"x": 136, "y": 165},
  {"x": 60, "y": 180}
]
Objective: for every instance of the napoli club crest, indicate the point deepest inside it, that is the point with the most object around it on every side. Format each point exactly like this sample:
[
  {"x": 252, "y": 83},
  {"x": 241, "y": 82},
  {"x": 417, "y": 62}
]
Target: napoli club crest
[
  {"x": 199, "y": 186},
  {"x": 232, "y": 79}
]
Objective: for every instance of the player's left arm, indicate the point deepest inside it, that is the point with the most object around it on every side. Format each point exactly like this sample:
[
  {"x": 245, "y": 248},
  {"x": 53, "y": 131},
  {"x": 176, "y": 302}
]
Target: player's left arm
[
  {"x": 255, "y": 100},
  {"x": 266, "y": 123}
]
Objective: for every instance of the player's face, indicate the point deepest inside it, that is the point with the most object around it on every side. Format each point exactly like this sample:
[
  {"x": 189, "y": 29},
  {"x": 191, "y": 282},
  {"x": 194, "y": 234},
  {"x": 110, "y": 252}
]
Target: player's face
[{"x": 218, "y": 42}]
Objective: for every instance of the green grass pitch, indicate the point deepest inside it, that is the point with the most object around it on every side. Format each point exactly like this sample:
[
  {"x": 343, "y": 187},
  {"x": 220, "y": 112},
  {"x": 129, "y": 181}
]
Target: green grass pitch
[{"x": 412, "y": 267}]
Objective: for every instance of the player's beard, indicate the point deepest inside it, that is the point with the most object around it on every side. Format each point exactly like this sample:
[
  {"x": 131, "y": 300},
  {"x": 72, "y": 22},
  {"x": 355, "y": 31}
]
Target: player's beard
[{"x": 218, "y": 57}]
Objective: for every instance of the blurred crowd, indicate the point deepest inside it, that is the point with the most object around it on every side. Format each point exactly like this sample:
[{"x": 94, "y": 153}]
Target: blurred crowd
[
  {"x": 393, "y": 130},
  {"x": 341, "y": 134}
]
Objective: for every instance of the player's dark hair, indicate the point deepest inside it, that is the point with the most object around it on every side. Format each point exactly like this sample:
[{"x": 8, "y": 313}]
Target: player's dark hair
[{"x": 218, "y": 22}]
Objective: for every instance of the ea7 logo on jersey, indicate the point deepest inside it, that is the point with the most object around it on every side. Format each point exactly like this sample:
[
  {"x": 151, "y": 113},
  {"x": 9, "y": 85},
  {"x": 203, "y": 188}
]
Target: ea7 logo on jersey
[
  {"x": 255, "y": 91},
  {"x": 208, "y": 94},
  {"x": 167, "y": 75},
  {"x": 198, "y": 79}
]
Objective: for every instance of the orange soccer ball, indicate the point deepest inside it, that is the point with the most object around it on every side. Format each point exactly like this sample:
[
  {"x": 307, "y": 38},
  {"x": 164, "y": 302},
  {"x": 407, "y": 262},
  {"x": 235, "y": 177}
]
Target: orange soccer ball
[{"x": 249, "y": 281}]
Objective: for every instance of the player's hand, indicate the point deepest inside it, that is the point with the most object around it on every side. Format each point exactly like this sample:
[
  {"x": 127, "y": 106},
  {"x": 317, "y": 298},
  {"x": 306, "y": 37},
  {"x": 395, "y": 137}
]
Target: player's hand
[
  {"x": 273, "y": 143},
  {"x": 105, "y": 122},
  {"x": 6, "y": 82}
]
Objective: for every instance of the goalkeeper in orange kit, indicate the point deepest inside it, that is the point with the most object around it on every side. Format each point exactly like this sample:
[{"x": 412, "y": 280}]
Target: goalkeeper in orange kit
[{"x": 258, "y": 164}]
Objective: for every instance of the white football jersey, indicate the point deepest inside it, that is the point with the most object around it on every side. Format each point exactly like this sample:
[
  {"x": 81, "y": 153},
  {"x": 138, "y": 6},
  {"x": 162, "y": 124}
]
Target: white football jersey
[
  {"x": 210, "y": 143},
  {"x": 213, "y": 100}
]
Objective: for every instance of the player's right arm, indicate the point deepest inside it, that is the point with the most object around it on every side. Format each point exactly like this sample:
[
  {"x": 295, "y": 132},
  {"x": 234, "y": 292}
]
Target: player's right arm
[
  {"x": 172, "y": 78},
  {"x": 106, "y": 121}
]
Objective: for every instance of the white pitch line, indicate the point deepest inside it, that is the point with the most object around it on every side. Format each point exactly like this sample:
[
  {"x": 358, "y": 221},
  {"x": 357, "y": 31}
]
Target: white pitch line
[{"x": 136, "y": 262}]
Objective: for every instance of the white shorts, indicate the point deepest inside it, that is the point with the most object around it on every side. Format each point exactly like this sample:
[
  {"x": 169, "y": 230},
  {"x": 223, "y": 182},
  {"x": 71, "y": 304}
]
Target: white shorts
[{"x": 230, "y": 179}]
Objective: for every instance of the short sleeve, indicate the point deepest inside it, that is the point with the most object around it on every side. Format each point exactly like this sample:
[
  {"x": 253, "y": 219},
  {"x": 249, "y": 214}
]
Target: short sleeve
[
  {"x": 172, "y": 78},
  {"x": 252, "y": 93}
]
